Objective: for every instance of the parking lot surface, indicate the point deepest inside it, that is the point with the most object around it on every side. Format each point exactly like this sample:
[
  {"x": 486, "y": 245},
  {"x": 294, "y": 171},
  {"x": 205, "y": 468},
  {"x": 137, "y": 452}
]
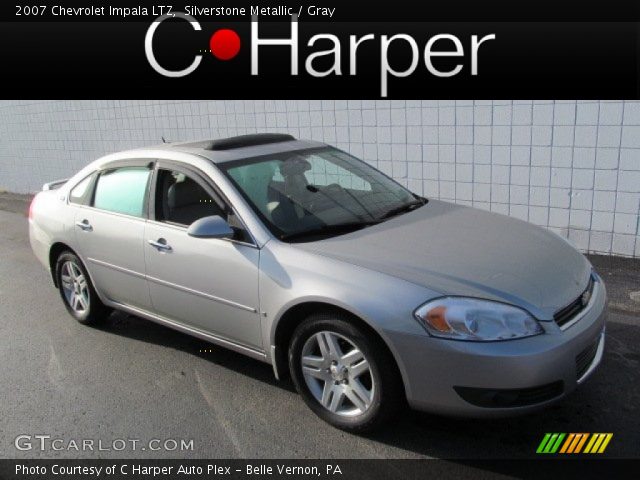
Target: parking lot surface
[{"x": 134, "y": 380}]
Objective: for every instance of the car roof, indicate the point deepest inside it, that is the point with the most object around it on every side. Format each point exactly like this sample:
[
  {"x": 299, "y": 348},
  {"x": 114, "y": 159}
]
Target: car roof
[{"x": 234, "y": 148}]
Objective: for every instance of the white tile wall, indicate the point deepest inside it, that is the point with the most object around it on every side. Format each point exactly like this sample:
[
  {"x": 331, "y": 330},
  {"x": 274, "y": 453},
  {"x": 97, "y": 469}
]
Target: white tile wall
[{"x": 571, "y": 166}]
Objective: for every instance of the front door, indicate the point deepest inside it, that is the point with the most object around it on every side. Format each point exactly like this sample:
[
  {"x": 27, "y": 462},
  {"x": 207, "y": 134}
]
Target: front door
[{"x": 207, "y": 284}]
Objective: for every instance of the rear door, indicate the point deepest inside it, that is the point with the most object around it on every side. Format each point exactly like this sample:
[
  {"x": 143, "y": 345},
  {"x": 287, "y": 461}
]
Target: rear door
[
  {"x": 205, "y": 283},
  {"x": 110, "y": 232}
]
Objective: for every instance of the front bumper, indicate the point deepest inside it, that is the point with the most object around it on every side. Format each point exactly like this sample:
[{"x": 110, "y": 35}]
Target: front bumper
[{"x": 484, "y": 379}]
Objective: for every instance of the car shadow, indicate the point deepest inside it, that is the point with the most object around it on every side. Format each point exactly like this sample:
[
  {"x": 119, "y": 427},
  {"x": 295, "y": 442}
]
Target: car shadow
[
  {"x": 608, "y": 402},
  {"x": 136, "y": 328}
]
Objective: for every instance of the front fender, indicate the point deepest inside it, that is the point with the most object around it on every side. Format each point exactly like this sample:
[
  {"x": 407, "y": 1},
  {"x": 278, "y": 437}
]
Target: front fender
[{"x": 291, "y": 277}]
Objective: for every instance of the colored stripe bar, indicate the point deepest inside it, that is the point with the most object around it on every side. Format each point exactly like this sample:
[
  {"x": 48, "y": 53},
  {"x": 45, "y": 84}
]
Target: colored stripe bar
[
  {"x": 581, "y": 443},
  {"x": 567, "y": 442},
  {"x": 555, "y": 447},
  {"x": 576, "y": 439},
  {"x": 574, "y": 443},
  {"x": 592, "y": 440},
  {"x": 596, "y": 445},
  {"x": 550, "y": 443},
  {"x": 543, "y": 443},
  {"x": 606, "y": 442}
]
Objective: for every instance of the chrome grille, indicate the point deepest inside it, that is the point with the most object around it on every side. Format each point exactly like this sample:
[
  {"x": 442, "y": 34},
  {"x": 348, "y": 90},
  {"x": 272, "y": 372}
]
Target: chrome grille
[{"x": 566, "y": 314}]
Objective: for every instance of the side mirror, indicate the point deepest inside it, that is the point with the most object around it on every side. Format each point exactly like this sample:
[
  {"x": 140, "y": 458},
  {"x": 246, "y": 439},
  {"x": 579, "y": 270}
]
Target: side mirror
[{"x": 210, "y": 227}]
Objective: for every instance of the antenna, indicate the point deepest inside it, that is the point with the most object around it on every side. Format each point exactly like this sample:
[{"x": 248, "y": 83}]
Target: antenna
[{"x": 163, "y": 140}]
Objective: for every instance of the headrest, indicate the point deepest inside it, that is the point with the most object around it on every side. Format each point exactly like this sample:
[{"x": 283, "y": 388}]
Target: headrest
[
  {"x": 185, "y": 193},
  {"x": 295, "y": 166},
  {"x": 263, "y": 172}
]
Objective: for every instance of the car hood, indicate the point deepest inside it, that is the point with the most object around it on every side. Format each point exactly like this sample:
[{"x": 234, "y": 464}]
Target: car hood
[{"x": 457, "y": 250}]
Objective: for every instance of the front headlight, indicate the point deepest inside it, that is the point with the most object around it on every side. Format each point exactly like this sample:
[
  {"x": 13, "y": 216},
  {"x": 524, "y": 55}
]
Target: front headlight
[{"x": 478, "y": 320}]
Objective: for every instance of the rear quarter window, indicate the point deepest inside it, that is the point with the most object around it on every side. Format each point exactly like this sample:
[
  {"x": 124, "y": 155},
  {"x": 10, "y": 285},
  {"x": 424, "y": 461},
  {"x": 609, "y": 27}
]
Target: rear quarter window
[{"x": 80, "y": 192}]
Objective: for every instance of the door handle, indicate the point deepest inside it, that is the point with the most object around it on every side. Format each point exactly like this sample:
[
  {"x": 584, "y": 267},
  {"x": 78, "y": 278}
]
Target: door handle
[
  {"x": 84, "y": 225},
  {"x": 161, "y": 245}
]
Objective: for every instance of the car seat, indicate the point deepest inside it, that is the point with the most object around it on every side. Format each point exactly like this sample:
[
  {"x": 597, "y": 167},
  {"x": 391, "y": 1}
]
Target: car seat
[{"x": 188, "y": 202}]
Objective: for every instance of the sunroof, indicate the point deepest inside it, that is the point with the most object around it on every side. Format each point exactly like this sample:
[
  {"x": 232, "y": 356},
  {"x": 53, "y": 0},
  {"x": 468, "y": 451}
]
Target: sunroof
[{"x": 241, "y": 141}]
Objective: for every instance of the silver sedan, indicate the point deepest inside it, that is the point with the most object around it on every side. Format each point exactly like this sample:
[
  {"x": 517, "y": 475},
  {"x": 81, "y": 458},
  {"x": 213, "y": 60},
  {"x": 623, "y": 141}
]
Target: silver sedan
[{"x": 302, "y": 256}]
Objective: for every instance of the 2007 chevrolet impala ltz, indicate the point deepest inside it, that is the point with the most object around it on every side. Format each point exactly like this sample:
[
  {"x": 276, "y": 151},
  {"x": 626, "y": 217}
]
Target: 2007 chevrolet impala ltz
[{"x": 300, "y": 255}]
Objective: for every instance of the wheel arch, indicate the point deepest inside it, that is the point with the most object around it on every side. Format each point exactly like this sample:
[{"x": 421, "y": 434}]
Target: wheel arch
[
  {"x": 54, "y": 252},
  {"x": 294, "y": 314}
]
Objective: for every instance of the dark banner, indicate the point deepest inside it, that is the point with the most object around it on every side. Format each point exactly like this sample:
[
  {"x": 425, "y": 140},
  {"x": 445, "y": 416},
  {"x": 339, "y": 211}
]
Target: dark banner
[
  {"x": 291, "y": 50},
  {"x": 329, "y": 10},
  {"x": 179, "y": 57},
  {"x": 119, "y": 469}
]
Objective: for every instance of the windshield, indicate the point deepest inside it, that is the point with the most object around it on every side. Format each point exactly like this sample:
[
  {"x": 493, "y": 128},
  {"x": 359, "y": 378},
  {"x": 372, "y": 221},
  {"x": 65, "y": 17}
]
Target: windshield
[{"x": 320, "y": 192}]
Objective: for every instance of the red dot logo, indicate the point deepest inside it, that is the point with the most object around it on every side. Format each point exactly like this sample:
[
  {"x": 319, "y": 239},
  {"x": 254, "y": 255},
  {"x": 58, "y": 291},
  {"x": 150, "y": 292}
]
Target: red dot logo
[{"x": 224, "y": 44}]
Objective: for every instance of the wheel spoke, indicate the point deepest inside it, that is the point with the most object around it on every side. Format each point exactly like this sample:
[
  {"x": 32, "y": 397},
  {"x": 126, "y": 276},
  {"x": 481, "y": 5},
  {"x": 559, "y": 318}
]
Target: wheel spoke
[
  {"x": 355, "y": 399},
  {"x": 66, "y": 280},
  {"x": 351, "y": 358},
  {"x": 313, "y": 362},
  {"x": 332, "y": 344},
  {"x": 356, "y": 370},
  {"x": 358, "y": 389},
  {"x": 319, "y": 373},
  {"x": 326, "y": 394},
  {"x": 322, "y": 344},
  {"x": 336, "y": 400},
  {"x": 72, "y": 271},
  {"x": 82, "y": 301}
]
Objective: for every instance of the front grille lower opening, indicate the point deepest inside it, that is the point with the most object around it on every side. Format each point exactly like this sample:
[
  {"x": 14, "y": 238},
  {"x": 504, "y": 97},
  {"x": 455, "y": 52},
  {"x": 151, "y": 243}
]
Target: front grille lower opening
[
  {"x": 509, "y": 398},
  {"x": 585, "y": 358}
]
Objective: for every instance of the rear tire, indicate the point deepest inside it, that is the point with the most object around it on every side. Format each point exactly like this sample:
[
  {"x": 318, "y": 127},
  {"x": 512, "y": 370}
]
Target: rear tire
[
  {"x": 77, "y": 291},
  {"x": 343, "y": 373}
]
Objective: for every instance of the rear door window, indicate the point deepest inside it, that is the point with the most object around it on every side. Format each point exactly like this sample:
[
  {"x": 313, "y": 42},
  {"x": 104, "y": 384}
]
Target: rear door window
[{"x": 123, "y": 190}]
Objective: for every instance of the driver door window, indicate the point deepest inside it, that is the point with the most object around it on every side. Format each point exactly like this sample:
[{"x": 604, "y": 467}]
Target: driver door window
[{"x": 181, "y": 200}]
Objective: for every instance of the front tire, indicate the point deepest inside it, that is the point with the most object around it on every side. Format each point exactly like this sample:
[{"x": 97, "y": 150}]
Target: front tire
[
  {"x": 77, "y": 291},
  {"x": 344, "y": 374}
]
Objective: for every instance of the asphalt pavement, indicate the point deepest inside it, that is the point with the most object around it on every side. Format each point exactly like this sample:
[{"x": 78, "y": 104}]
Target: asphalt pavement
[{"x": 134, "y": 380}]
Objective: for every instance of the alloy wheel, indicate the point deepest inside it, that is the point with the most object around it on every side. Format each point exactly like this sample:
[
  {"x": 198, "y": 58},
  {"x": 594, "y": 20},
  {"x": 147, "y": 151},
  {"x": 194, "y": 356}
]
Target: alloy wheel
[
  {"x": 75, "y": 287},
  {"x": 337, "y": 373}
]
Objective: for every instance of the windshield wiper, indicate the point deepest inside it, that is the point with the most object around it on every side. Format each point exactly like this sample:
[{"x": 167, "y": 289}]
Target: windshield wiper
[
  {"x": 328, "y": 230},
  {"x": 407, "y": 207},
  {"x": 314, "y": 189}
]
